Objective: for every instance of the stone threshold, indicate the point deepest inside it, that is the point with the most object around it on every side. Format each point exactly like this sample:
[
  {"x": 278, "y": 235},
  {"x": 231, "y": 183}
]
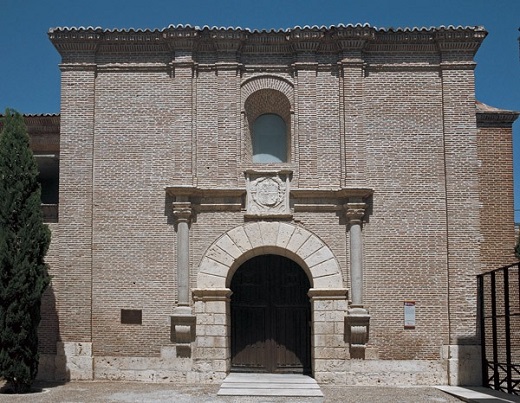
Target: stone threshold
[
  {"x": 258, "y": 384},
  {"x": 473, "y": 394}
]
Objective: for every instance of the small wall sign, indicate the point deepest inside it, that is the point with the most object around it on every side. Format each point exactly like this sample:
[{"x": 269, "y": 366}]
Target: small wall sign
[
  {"x": 409, "y": 314},
  {"x": 132, "y": 316}
]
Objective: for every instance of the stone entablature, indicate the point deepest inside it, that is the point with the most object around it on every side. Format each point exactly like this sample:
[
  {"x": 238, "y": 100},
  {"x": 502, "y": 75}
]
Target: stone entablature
[{"x": 235, "y": 199}]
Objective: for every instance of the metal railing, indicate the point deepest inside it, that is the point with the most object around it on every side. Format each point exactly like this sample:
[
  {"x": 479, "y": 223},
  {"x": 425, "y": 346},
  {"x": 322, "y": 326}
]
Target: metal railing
[{"x": 499, "y": 313}]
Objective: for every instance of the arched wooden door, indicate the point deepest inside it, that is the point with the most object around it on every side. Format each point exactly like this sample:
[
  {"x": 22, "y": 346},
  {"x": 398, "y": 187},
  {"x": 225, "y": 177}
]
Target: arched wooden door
[{"x": 270, "y": 317}]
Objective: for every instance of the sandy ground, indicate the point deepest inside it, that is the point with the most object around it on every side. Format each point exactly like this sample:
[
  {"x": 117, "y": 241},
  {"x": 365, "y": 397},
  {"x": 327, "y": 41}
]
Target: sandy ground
[{"x": 76, "y": 392}]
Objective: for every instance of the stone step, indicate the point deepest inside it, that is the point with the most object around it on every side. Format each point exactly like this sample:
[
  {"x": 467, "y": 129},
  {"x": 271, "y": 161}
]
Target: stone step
[{"x": 249, "y": 384}]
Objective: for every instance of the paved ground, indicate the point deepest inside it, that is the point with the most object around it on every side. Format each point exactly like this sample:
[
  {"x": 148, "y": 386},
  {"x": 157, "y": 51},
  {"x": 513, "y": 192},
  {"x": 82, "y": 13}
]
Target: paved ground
[{"x": 84, "y": 392}]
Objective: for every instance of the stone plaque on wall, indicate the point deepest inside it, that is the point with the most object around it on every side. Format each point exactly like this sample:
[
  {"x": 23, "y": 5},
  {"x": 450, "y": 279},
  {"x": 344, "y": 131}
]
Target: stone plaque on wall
[{"x": 267, "y": 193}]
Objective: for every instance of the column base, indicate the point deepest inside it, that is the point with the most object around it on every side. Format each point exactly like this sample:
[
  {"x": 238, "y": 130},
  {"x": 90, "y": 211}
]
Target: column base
[
  {"x": 183, "y": 330},
  {"x": 357, "y": 325}
]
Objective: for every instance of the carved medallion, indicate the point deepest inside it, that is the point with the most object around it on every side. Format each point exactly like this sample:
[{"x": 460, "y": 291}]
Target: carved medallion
[
  {"x": 268, "y": 192},
  {"x": 267, "y": 195}
]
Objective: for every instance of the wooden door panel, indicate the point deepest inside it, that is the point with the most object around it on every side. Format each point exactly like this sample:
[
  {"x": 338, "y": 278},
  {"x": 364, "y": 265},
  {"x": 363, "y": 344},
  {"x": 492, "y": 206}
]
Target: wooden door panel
[
  {"x": 270, "y": 313},
  {"x": 249, "y": 347},
  {"x": 292, "y": 338}
]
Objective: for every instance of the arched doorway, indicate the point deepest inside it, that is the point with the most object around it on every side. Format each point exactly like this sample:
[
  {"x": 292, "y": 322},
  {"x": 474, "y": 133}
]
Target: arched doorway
[{"x": 270, "y": 317}]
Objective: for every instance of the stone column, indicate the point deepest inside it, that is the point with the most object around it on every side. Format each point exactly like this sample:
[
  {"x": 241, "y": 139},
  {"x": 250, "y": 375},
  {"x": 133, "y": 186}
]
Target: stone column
[
  {"x": 357, "y": 319},
  {"x": 182, "y": 212},
  {"x": 183, "y": 321},
  {"x": 355, "y": 213}
]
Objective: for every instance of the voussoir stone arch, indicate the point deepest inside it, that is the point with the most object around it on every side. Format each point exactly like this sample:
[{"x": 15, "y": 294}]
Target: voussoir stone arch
[{"x": 241, "y": 243}]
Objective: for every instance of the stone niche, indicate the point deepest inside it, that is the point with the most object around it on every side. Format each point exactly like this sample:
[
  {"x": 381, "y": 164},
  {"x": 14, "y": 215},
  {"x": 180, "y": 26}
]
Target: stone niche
[{"x": 268, "y": 194}]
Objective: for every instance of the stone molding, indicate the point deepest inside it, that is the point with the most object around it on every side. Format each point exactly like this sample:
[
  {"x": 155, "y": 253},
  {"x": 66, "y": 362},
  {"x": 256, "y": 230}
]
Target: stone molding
[
  {"x": 210, "y": 199},
  {"x": 328, "y": 294},
  {"x": 211, "y": 294}
]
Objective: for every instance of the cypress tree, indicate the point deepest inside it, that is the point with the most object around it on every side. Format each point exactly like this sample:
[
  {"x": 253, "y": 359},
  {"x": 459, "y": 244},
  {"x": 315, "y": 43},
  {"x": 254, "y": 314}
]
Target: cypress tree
[{"x": 24, "y": 240}]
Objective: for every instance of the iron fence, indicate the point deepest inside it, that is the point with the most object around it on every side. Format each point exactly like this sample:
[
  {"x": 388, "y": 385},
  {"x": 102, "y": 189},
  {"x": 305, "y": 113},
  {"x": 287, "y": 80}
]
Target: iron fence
[{"x": 499, "y": 312}]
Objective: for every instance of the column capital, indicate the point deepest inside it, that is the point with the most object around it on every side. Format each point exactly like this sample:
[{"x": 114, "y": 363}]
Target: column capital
[
  {"x": 182, "y": 211},
  {"x": 355, "y": 212}
]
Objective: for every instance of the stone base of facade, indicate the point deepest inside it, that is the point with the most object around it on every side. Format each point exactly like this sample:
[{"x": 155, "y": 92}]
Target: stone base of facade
[
  {"x": 73, "y": 361},
  {"x": 464, "y": 364},
  {"x": 46, "y": 368},
  {"x": 76, "y": 363},
  {"x": 169, "y": 367},
  {"x": 381, "y": 372},
  {"x": 462, "y": 368},
  {"x": 210, "y": 363}
]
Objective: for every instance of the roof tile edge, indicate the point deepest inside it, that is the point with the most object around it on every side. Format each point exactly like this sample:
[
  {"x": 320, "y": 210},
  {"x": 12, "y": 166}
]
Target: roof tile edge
[{"x": 267, "y": 30}]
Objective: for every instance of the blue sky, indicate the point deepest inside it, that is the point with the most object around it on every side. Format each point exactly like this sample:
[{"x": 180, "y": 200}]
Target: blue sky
[{"x": 29, "y": 73}]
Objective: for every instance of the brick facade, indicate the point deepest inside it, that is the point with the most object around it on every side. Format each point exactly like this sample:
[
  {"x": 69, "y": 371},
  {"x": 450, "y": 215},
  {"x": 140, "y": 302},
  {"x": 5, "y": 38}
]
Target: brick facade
[{"x": 383, "y": 136}]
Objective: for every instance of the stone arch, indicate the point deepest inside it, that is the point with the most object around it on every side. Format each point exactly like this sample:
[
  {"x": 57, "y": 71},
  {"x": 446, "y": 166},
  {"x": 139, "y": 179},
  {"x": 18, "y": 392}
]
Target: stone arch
[{"x": 239, "y": 244}]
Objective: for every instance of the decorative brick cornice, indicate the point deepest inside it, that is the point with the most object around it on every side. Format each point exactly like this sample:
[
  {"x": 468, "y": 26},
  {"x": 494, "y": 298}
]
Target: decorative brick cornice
[
  {"x": 459, "y": 40},
  {"x": 298, "y": 40},
  {"x": 496, "y": 118},
  {"x": 305, "y": 41},
  {"x": 75, "y": 66},
  {"x": 228, "y": 40},
  {"x": 76, "y": 40},
  {"x": 354, "y": 38},
  {"x": 267, "y": 42},
  {"x": 180, "y": 39}
]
